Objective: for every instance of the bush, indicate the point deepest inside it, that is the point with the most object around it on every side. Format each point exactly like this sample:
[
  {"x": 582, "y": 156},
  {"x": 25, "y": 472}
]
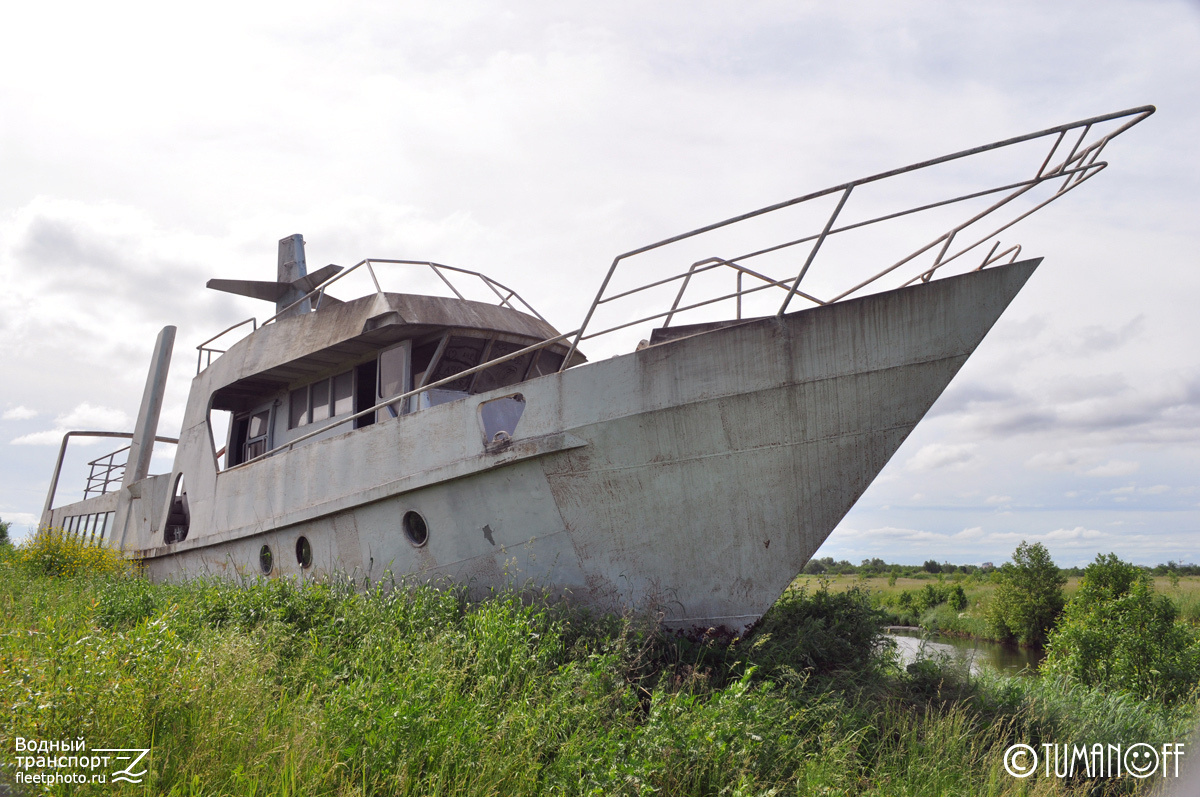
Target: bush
[
  {"x": 1028, "y": 596},
  {"x": 52, "y": 552},
  {"x": 821, "y": 632},
  {"x": 1118, "y": 634}
]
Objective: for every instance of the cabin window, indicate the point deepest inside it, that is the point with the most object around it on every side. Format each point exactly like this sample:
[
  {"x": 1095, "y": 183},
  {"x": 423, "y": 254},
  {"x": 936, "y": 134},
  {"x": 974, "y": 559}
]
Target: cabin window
[
  {"x": 319, "y": 395},
  {"x": 321, "y": 400},
  {"x": 461, "y": 353},
  {"x": 504, "y": 374},
  {"x": 422, "y": 356},
  {"x": 343, "y": 393},
  {"x": 179, "y": 516},
  {"x": 266, "y": 560},
  {"x": 393, "y": 375},
  {"x": 257, "y": 434},
  {"x": 298, "y": 408}
]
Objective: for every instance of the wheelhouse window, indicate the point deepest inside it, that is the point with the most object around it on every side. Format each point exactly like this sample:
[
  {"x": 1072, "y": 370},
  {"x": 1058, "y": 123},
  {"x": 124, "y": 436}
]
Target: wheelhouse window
[
  {"x": 321, "y": 400},
  {"x": 461, "y": 353},
  {"x": 393, "y": 375},
  {"x": 256, "y": 436}
]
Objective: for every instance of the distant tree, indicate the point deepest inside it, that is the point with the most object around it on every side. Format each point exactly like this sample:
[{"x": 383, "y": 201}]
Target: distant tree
[
  {"x": 1118, "y": 634},
  {"x": 1028, "y": 596},
  {"x": 4, "y": 527},
  {"x": 815, "y": 567},
  {"x": 932, "y": 566}
]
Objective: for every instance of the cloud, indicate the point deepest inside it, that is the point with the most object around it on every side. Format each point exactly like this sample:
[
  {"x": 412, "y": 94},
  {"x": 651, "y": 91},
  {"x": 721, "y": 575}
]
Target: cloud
[
  {"x": 1083, "y": 462},
  {"x": 941, "y": 455},
  {"x": 1097, "y": 339},
  {"x": 84, "y": 417},
  {"x": 1114, "y": 467},
  {"x": 973, "y": 533},
  {"x": 1077, "y": 533},
  {"x": 19, "y": 413}
]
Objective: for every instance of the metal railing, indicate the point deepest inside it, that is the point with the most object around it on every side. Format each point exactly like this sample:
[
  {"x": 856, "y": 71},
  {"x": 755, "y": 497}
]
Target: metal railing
[
  {"x": 105, "y": 472},
  {"x": 204, "y": 348},
  {"x": 1080, "y": 164},
  {"x": 62, "y": 453},
  {"x": 317, "y": 295}
]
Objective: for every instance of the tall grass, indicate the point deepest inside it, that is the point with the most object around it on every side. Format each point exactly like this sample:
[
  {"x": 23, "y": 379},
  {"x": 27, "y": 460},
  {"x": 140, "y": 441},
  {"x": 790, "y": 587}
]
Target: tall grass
[{"x": 270, "y": 687}]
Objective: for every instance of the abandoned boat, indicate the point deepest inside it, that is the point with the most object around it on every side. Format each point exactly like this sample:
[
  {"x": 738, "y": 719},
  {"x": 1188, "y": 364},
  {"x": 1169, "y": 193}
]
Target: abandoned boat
[{"x": 443, "y": 438}]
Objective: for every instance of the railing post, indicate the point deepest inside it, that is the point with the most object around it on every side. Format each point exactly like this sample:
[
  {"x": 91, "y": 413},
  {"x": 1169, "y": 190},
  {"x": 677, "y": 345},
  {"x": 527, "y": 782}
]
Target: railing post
[{"x": 816, "y": 246}]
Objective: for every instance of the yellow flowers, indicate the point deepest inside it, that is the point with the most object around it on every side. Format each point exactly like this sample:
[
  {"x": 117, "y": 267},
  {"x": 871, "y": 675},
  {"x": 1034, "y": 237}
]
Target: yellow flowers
[{"x": 53, "y": 552}]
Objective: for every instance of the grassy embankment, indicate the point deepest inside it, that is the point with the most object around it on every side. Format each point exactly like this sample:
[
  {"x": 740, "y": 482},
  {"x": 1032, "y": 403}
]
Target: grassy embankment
[
  {"x": 885, "y": 593},
  {"x": 270, "y": 688}
]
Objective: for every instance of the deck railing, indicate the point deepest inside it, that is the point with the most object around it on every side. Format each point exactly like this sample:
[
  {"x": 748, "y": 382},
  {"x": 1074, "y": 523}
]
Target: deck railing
[
  {"x": 1080, "y": 164},
  {"x": 506, "y": 295},
  {"x": 103, "y": 469}
]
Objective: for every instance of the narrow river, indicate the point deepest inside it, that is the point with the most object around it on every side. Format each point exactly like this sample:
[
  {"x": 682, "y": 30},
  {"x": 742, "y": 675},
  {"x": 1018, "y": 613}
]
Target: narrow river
[{"x": 912, "y": 644}]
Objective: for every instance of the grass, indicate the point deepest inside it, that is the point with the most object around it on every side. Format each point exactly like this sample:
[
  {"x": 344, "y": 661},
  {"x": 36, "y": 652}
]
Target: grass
[{"x": 333, "y": 689}]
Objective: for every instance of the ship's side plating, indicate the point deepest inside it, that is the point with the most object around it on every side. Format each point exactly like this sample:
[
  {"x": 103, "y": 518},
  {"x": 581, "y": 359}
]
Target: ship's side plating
[{"x": 696, "y": 476}]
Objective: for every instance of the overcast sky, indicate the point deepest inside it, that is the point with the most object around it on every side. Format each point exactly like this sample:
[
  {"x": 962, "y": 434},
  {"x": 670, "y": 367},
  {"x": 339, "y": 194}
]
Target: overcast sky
[{"x": 146, "y": 149}]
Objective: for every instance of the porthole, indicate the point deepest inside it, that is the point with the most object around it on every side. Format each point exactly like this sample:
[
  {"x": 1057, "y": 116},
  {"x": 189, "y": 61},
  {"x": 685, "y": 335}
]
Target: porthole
[
  {"x": 265, "y": 560},
  {"x": 415, "y": 528},
  {"x": 304, "y": 553}
]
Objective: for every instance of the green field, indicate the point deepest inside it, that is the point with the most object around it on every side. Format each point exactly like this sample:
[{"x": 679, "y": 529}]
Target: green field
[
  {"x": 322, "y": 689},
  {"x": 1184, "y": 591}
]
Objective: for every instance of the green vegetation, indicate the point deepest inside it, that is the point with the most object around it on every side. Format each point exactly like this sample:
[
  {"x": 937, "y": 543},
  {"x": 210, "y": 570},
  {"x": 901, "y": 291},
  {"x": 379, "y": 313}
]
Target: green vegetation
[
  {"x": 1119, "y": 634},
  {"x": 1028, "y": 596},
  {"x": 4, "y": 527},
  {"x": 333, "y": 688}
]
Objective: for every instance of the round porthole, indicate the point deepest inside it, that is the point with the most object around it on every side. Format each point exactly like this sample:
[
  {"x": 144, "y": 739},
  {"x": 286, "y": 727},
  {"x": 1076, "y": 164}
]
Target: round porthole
[
  {"x": 415, "y": 528},
  {"x": 304, "y": 553},
  {"x": 265, "y": 560}
]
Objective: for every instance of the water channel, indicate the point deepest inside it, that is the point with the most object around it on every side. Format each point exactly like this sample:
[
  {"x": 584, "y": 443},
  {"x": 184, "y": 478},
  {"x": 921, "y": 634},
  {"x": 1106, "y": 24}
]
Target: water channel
[{"x": 914, "y": 643}]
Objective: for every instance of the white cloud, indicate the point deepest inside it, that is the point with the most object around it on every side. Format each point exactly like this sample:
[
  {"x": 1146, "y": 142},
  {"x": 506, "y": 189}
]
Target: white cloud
[
  {"x": 19, "y": 413},
  {"x": 1114, "y": 467},
  {"x": 1060, "y": 461},
  {"x": 974, "y": 533},
  {"x": 1077, "y": 533},
  {"x": 85, "y": 417},
  {"x": 941, "y": 455}
]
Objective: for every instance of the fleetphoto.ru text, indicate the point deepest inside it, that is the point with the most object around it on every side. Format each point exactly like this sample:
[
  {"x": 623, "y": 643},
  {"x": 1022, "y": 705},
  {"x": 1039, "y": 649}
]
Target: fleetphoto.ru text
[{"x": 50, "y": 762}]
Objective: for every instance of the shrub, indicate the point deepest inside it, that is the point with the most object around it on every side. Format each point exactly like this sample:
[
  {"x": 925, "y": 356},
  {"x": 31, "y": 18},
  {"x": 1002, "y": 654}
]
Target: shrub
[
  {"x": 822, "y": 632},
  {"x": 52, "y": 552},
  {"x": 1117, "y": 633},
  {"x": 1028, "y": 596}
]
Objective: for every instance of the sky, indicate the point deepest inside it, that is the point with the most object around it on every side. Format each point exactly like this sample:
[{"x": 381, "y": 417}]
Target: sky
[{"x": 146, "y": 148}]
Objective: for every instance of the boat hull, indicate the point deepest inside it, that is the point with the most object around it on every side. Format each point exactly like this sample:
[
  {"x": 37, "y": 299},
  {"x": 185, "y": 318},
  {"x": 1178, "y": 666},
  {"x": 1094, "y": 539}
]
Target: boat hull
[{"x": 694, "y": 478}]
